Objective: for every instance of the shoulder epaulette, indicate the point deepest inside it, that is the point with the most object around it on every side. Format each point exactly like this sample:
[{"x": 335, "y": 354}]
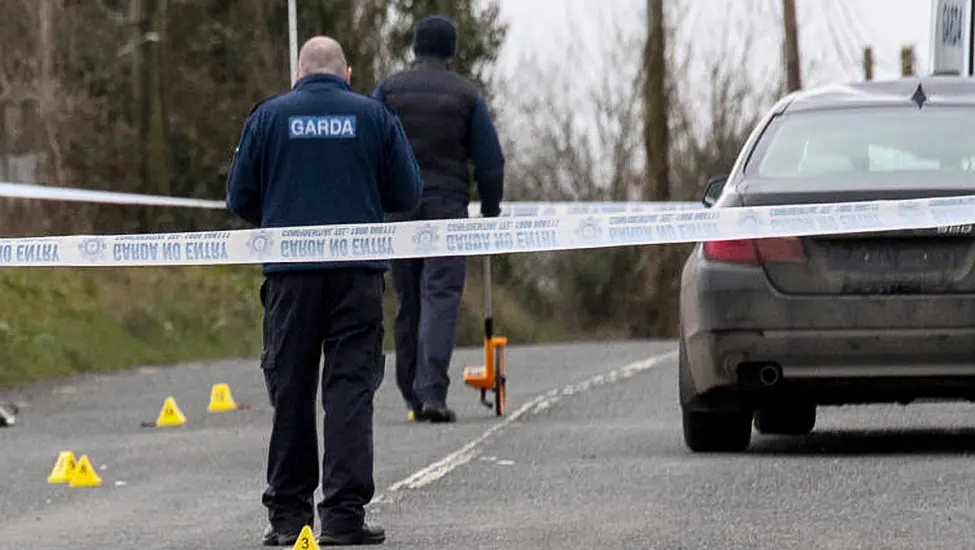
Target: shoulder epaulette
[
  {"x": 258, "y": 104},
  {"x": 262, "y": 102}
]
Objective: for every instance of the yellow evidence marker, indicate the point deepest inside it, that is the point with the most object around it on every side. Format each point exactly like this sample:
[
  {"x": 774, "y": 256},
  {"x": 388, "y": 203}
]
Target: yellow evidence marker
[
  {"x": 170, "y": 415},
  {"x": 306, "y": 540},
  {"x": 84, "y": 474},
  {"x": 221, "y": 399},
  {"x": 63, "y": 468}
]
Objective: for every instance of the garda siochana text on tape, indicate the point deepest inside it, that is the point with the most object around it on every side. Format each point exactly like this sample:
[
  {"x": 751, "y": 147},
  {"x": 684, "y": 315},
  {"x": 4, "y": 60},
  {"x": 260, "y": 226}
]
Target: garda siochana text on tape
[{"x": 473, "y": 237}]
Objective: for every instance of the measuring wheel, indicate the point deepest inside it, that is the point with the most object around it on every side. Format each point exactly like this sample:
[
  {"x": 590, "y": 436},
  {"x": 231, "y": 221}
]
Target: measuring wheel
[
  {"x": 499, "y": 381},
  {"x": 490, "y": 376}
]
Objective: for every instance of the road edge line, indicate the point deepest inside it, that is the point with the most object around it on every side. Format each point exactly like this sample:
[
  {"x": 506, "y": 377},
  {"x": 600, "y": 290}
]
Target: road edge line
[{"x": 463, "y": 455}]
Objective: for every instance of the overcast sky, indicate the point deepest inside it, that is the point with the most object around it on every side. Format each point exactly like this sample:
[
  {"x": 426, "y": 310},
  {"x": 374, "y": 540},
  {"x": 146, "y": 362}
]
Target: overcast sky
[{"x": 832, "y": 32}]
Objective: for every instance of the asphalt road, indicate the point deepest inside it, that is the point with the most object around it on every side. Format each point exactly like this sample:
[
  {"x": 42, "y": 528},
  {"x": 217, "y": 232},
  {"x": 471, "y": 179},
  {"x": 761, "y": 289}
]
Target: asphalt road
[{"x": 589, "y": 456}]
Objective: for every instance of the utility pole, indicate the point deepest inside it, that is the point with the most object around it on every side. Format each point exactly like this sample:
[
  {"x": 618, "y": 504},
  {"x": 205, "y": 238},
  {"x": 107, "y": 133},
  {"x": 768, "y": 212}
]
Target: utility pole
[
  {"x": 656, "y": 135},
  {"x": 45, "y": 103},
  {"x": 293, "y": 38},
  {"x": 907, "y": 61},
  {"x": 655, "y": 309},
  {"x": 150, "y": 106},
  {"x": 791, "y": 45},
  {"x": 868, "y": 63}
]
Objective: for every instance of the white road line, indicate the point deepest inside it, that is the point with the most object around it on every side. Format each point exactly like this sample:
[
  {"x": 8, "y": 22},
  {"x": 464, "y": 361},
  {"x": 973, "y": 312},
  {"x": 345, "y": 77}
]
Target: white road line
[{"x": 458, "y": 458}]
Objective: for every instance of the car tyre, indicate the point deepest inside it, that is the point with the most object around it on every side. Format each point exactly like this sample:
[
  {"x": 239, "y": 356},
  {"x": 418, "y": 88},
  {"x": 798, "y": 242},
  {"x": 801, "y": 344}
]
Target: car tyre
[
  {"x": 792, "y": 420},
  {"x": 717, "y": 432},
  {"x": 709, "y": 431}
]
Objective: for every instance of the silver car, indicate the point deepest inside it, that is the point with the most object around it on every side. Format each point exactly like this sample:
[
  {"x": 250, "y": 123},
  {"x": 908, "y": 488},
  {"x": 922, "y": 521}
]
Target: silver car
[{"x": 771, "y": 329}]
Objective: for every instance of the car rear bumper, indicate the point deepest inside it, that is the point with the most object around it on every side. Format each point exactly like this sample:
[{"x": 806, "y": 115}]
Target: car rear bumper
[
  {"x": 733, "y": 320},
  {"x": 835, "y": 354}
]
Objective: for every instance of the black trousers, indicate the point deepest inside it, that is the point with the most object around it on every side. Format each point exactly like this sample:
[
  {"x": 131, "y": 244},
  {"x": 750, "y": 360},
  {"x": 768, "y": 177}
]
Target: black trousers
[
  {"x": 428, "y": 292},
  {"x": 340, "y": 313}
]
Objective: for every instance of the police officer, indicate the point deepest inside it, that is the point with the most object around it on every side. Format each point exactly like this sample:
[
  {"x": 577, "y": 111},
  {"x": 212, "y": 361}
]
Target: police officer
[
  {"x": 448, "y": 125},
  {"x": 322, "y": 154}
]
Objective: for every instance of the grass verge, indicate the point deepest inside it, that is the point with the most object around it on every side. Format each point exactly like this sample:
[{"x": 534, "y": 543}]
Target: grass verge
[{"x": 59, "y": 322}]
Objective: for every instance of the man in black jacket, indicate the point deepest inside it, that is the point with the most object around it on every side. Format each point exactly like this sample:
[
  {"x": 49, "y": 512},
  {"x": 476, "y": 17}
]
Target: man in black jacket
[
  {"x": 448, "y": 125},
  {"x": 320, "y": 155}
]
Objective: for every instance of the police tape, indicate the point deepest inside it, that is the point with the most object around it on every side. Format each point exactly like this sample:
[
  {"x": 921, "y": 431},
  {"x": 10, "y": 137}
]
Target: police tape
[
  {"x": 559, "y": 209},
  {"x": 474, "y": 237},
  {"x": 70, "y": 194},
  {"x": 508, "y": 209}
]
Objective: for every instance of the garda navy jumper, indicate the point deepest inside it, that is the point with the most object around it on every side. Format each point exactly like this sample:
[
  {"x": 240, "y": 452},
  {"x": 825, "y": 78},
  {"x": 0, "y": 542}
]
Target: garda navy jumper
[
  {"x": 448, "y": 125},
  {"x": 319, "y": 155}
]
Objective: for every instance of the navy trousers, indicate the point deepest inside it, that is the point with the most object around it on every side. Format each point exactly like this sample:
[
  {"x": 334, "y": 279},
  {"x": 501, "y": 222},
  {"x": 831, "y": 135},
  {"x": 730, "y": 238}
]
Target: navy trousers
[
  {"x": 428, "y": 292},
  {"x": 340, "y": 313}
]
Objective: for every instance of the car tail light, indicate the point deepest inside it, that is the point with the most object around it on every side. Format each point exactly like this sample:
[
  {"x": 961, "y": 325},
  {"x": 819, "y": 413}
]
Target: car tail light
[{"x": 756, "y": 251}]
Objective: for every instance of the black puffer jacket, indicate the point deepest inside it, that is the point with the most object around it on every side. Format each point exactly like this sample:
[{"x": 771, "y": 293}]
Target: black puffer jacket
[{"x": 448, "y": 126}]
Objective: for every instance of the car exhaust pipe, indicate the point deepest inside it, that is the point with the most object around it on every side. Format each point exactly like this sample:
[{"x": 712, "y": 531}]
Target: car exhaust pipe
[{"x": 769, "y": 375}]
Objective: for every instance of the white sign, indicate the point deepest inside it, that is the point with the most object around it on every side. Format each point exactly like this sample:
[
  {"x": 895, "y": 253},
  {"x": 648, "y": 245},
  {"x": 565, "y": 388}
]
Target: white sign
[{"x": 951, "y": 37}]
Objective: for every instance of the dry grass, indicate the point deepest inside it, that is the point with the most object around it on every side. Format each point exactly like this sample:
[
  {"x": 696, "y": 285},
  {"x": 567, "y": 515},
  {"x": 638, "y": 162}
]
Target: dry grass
[{"x": 58, "y": 322}]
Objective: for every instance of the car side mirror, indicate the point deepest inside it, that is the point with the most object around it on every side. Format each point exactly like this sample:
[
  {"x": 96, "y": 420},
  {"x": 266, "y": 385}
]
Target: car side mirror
[{"x": 713, "y": 190}]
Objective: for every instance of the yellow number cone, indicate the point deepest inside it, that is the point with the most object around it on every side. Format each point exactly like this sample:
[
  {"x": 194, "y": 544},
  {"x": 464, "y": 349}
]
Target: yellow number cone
[
  {"x": 170, "y": 415},
  {"x": 84, "y": 474},
  {"x": 306, "y": 540},
  {"x": 63, "y": 468},
  {"x": 221, "y": 399}
]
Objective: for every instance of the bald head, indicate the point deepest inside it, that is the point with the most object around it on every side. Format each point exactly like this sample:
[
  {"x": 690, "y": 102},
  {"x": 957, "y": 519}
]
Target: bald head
[{"x": 322, "y": 55}]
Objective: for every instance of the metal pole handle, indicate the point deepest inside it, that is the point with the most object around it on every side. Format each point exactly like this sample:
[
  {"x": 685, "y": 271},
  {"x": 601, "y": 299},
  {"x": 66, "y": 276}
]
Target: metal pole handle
[
  {"x": 293, "y": 37},
  {"x": 488, "y": 314}
]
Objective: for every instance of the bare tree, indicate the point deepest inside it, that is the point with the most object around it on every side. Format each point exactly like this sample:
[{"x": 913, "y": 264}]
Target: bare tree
[{"x": 590, "y": 147}]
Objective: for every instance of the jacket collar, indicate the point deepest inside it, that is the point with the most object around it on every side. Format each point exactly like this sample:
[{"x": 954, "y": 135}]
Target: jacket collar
[
  {"x": 430, "y": 61},
  {"x": 320, "y": 81}
]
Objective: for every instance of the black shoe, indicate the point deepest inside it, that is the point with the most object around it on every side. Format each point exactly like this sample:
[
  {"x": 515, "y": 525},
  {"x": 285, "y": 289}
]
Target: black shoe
[
  {"x": 365, "y": 535},
  {"x": 438, "y": 412},
  {"x": 273, "y": 537}
]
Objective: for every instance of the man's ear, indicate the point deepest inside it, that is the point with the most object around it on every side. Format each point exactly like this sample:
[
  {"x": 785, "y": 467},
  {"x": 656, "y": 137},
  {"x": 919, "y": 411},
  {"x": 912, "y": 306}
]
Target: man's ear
[{"x": 348, "y": 75}]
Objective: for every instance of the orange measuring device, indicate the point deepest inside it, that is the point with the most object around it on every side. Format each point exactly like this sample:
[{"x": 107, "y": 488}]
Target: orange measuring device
[{"x": 490, "y": 377}]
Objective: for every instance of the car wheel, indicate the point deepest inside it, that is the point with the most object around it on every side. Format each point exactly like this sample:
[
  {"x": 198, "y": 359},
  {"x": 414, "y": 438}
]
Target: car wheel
[
  {"x": 786, "y": 420},
  {"x": 709, "y": 431},
  {"x": 717, "y": 432}
]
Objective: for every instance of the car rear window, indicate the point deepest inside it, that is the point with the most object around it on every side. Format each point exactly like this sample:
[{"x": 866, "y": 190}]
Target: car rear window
[{"x": 866, "y": 140}]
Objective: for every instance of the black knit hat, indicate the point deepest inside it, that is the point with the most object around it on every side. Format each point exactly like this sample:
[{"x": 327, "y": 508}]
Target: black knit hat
[{"x": 435, "y": 35}]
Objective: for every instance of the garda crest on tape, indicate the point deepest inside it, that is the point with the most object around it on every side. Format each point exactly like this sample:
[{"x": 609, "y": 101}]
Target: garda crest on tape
[
  {"x": 93, "y": 248},
  {"x": 260, "y": 244},
  {"x": 749, "y": 221},
  {"x": 426, "y": 238},
  {"x": 589, "y": 229}
]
